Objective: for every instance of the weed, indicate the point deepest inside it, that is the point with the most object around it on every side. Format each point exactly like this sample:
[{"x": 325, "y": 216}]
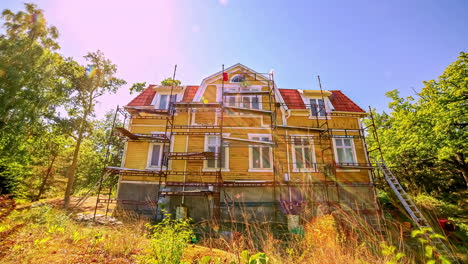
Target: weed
[{"x": 168, "y": 240}]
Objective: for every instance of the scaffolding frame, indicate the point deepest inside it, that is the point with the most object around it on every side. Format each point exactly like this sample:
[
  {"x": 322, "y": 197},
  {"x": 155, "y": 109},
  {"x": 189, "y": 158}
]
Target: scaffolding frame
[{"x": 319, "y": 131}]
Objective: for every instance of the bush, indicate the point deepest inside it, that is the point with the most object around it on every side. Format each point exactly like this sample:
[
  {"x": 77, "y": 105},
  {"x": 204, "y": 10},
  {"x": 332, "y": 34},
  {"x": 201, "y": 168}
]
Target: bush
[
  {"x": 169, "y": 239},
  {"x": 432, "y": 204}
]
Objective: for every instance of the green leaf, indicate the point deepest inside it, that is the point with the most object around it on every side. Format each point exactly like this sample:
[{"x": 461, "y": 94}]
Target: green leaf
[{"x": 429, "y": 251}]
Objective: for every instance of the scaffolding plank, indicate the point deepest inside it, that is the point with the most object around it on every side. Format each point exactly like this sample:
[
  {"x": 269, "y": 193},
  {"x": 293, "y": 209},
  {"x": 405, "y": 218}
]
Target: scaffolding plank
[
  {"x": 247, "y": 93},
  {"x": 196, "y": 127},
  {"x": 249, "y": 110},
  {"x": 187, "y": 193},
  {"x": 196, "y": 105},
  {"x": 126, "y": 133},
  {"x": 249, "y": 141},
  {"x": 191, "y": 155},
  {"x": 137, "y": 136},
  {"x": 302, "y": 128},
  {"x": 147, "y": 110}
]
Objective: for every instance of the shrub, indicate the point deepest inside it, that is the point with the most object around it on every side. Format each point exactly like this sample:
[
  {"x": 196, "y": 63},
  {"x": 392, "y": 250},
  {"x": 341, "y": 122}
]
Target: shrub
[{"x": 169, "y": 239}]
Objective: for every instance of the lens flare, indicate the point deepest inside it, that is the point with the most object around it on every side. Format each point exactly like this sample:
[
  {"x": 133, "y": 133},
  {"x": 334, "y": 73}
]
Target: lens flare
[{"x": 90, "y": 71}]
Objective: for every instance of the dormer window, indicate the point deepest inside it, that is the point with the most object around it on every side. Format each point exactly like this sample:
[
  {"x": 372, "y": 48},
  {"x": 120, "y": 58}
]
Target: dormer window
[
  {"x": 317, "y": 107},
  {"x": 237, "y": 78},
  {"x": 161, "y": 101}
]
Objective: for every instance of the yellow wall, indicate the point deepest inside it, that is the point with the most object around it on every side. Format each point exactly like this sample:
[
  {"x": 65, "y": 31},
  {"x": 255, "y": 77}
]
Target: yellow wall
[{"x": 239, "y": 126}]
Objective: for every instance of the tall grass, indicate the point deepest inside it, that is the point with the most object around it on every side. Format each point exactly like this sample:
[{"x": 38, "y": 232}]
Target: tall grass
[
  {"x": 338, "y": 237},
  {"x": 49, "y": 235}
]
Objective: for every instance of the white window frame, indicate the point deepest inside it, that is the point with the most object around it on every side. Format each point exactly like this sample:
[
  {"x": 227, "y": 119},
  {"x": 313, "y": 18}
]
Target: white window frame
[
  {"x": 226, "y": 154},
  {"x": 294, "y": 159},
  {"x": 326, "y": 102},
  {"x": 157, "y": 99},
  {"x": 239, "y": 99},
  {"x": 251, "y": 168},
  {"x": 150, "y": 156},
  {"x": 317, "y": 109},
  {"x": 150, "y": 153},
  {"x": 353, "y": 148}
]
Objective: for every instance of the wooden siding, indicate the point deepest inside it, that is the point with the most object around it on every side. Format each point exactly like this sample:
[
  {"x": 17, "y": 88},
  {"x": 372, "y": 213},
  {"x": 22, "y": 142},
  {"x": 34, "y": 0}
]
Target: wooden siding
[{"x": 240, "y": 126}]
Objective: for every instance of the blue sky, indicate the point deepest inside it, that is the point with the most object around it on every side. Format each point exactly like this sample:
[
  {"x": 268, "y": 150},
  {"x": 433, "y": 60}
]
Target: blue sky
[{"x": 362, "y": 47}]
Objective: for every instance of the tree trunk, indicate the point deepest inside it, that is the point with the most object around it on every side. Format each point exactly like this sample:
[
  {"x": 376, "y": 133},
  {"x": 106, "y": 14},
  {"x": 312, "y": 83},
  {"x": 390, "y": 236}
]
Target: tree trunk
[
  {"x": 44, "y": 181},
  {"x": 72, "y": 169}
]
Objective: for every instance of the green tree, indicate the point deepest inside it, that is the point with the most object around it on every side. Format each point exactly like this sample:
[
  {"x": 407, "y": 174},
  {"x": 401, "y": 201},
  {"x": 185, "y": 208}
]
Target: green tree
[
  {"x": 94, "y": 150},
  {"x": 169, "y": 82},
  {"x": 97, "y": 79},
  {"x": 34, "y": 82},
  {"x": 426, "y": 138},
  {"x": 138, "y": 87}
]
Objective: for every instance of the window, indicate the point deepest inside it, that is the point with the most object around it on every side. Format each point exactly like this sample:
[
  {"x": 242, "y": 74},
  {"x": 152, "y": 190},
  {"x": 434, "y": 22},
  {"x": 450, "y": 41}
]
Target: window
[
  {"x": 212, "y": 144},
  {"x": 260, "y": 155},
  {"x": 237, "y": 79},
  {"x": 304, "y": 156},
  {"x": 155, "y": 155},
  {"x": 344, "y": 150},
  {"x": 164, "y": 100},
  {"x": 243, "y": 101},
  {"x": 317, "y": 107},
  {"x": 250, "y": 101},
  {"x": 230, "y": 100}
]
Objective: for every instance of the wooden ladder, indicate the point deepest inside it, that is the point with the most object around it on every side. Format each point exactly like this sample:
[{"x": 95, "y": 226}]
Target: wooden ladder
[{"x": 415, "y": 213}]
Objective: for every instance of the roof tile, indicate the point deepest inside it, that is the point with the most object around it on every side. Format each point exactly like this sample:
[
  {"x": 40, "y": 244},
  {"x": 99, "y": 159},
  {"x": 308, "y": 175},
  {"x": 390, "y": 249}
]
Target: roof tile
[
  {"x": 190, "y": 92},
  {"x": 342, "y": 103},
  {"x": 144, "y": 98},
  {"x": 292, "y": 98}
]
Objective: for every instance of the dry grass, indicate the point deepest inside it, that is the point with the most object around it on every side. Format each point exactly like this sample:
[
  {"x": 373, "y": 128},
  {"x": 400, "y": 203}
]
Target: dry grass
[
  {"x": 336, "y": 238},
  {"x": 49, "y": 236},
  {"x": 44, "y": 234}
]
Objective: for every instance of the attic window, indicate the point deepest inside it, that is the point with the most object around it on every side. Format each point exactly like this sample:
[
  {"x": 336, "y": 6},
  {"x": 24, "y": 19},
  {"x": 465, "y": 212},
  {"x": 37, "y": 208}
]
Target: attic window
[{"x": 237, "y": 79}]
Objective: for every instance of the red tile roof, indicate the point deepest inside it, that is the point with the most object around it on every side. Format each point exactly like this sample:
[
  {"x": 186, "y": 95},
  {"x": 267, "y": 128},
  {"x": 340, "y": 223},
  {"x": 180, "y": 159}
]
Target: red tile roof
[
  {"x": 190, "y": 92},
  {"x": 292, "y": 98},
  {"x": 144, "y": 98},
  {"x": 341, "y": 102}
]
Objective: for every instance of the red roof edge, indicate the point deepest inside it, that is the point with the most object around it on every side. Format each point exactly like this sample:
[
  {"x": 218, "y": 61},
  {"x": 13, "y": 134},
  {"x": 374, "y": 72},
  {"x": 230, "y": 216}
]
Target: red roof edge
[
  {"x": 292, "y": 98},
  {"x": 343, "y": 103},
  {"x": 144, "y": 98}
]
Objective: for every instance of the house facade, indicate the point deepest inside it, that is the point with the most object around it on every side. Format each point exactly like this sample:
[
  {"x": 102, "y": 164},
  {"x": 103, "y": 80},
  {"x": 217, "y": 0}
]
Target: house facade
[{"x": 237, "y": 146}]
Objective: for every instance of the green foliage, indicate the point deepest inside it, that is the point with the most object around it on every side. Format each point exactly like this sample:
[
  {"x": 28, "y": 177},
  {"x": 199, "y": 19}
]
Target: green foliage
[
  {"x": 390, "y": 252},
  {"x": 37, "y": 144},
  {"x": 169, "y": 82},
  {"x": 258, "y": 258},
  {"x": 424, "y": 236},
  {"x": 435, "y": 205},
  {"x": 137, "y": 87},
  {"x": 169, "y": 239},
  {"x": 425, "y": 139},
  {"x": 97, "y": 79},
  {"x": 209, "y": 260}
]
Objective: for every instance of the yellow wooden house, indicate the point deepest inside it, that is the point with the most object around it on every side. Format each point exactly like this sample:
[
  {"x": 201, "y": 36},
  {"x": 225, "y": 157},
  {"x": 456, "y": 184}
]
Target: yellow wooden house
[{"x": 238, "y": 146}]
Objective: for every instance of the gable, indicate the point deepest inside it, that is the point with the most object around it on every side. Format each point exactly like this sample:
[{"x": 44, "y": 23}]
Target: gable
[{"x": 253, "y": 77}]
